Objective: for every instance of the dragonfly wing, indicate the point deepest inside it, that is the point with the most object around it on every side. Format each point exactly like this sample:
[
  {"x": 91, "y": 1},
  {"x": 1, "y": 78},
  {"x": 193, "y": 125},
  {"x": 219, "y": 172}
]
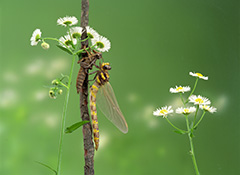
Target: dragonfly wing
[{"x": 107, "y": 103}]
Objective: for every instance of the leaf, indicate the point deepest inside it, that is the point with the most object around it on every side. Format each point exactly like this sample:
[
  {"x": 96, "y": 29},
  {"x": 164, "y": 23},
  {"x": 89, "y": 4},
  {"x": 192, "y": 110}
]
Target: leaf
[
  {"x": 40, "y": 163},
  {"x": 179, "y": 132},
  {"x": 75, "y": 126},
  {"x": 64, "y": 49}
]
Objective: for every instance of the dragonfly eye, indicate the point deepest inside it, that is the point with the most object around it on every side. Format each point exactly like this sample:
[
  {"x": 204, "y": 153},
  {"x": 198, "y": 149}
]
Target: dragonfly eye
[{"x": 107, "y": 67}]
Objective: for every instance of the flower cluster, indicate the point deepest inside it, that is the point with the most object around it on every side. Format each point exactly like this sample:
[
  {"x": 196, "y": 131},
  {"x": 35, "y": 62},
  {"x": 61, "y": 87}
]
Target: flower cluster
[
  {"x": 56, "y": 88},
  {"x": 192, "y": 104},
  {"x": 54, "y": 91},
  {"x": 73, "y": 36},
  {"x": 198, "y": 100}
]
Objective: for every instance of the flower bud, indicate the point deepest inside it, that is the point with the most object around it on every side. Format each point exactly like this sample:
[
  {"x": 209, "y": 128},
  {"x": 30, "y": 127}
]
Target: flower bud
[
  {"x": 45, "y": 45},
  {"x": 55, "y": 82},
  {"x": 60, "y": 91},
  {"x": 52, "y": 94}
]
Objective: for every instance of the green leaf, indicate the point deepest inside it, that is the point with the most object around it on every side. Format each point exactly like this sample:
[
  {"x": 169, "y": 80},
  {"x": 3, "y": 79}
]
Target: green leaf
[
  {"x": 40, "y": 163},
  {"x": 64, "y": 49},
  {"x": 75, "y": 126},
  {"x": 179, "y": 132}
]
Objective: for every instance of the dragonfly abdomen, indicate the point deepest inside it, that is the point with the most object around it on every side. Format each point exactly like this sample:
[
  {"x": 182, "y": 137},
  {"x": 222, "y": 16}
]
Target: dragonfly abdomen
[
  {"x": 93, "y": 93},
  {"x": 80, "y": 79}
]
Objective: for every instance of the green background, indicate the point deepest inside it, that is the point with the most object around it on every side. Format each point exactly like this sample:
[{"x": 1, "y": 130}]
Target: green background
[{"x": 155, "y": 44}]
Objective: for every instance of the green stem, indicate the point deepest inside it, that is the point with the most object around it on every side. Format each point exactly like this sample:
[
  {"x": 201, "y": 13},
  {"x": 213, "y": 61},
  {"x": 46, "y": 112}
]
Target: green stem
[
  {"x": 195, "y": 117},
  {"x": 80, "y": 51},
  {"x": 195, "y": 85},
  {"x": 182, "y": 100},
  {"x": 93, "y": 45},
  {"x": 85, "y": 39},
  {"x": 68, "y": 28},
  {"x": 191, "y": 145},
  {"x": 199, "y": 120},
  {"x": 175, "y": 126},
  {"x": 64, "y": 118},
  {"x": 63, "y": 85},
  {"x": 55, "y": 39}
]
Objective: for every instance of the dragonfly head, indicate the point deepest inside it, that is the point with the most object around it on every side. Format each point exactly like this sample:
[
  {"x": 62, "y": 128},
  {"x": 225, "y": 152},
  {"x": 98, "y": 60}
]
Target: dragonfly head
[{"x": 106, "y": 66}]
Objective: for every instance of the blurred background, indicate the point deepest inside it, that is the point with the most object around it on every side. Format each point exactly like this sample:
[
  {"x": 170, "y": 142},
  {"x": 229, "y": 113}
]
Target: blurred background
[{"x": 155, "y": 44}]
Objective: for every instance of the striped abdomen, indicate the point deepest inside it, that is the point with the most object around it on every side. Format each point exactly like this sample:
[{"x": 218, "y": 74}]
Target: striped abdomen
[
  {"x": 93, "y": 93},
  {"x": 80, "y": 79}
]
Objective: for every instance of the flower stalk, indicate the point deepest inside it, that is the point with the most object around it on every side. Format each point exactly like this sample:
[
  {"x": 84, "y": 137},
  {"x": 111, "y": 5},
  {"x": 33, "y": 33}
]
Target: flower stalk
[
  {"x": 191, "y": 145},
  {"x": 64, "y": 114},
  {"x": 199, "y": 101}
]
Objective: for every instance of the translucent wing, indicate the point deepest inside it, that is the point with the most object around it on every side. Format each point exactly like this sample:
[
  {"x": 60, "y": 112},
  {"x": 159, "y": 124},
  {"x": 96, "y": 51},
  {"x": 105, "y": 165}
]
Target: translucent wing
[{"x": 107, "y": 103}]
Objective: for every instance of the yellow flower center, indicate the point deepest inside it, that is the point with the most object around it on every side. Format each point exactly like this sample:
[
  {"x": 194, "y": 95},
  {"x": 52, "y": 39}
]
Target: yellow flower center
[
  {"x": 179, "y": 88},
  {"x": 68, "y": 42},
  {"x": 198, "y": 74},
  {"x": 186, "y": 110},
  {"x": 206, "y": 107},
  {"x": 90, "y": 35},
  {"x": 199, "y": 100},
  {"x": 163, "y": 111},
  {"x": 100, "y": 45},
  {"x": 76, "y": 35},
  {"x": 37, "y": 37},
  {"x": 67, "y": 22}
]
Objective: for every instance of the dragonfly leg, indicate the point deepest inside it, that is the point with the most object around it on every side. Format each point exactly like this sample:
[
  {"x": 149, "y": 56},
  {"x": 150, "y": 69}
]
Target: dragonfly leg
[
  {"x": 92, "y": 72},
  {"x": 96, "y": 66},
  {"x": 94, "y": 76}
]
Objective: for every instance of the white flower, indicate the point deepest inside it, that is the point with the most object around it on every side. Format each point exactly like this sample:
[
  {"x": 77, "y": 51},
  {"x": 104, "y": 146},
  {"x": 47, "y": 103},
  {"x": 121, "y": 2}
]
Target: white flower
[
  {"x": 92, "y": 33},
  {"x": 67, "y": 21},
  {"x": 35, "y": 37},
  {"x": 76, "y": 32},
  {"x": 186, "y": 110},
  {"x": 67, "y": 40},
  {"x": 199, "y": 100},
  {"x": 180, "y": 89},
  {"x": 164, "y": 111},
  {"x": 208, "y": 108},
  {"x": 102, "y": 43},
  {"x": 198, "y": 75}
]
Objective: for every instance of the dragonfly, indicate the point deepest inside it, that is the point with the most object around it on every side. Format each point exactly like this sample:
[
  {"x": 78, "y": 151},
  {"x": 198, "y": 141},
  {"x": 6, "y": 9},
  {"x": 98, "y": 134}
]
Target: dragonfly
[
  {"x": 102, "y": 94},
  {"x": 86, "y": 63}
]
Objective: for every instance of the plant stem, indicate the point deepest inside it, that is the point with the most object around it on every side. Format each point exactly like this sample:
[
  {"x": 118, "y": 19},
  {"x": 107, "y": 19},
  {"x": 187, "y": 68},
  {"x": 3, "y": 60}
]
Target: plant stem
[
  {"x": 175, "y": 126},
  {"x": 64, "y": 118},
  {"x": 191, "y": 145},
  {"x": 195, "y": 117},
  {"x": 182, "y": 100},
  {"x": 199, "y": 120},
  {"x": 63, "y": 85},
  {"x": 195, "y": 85},
  {"x": 54, "y": 39}
]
